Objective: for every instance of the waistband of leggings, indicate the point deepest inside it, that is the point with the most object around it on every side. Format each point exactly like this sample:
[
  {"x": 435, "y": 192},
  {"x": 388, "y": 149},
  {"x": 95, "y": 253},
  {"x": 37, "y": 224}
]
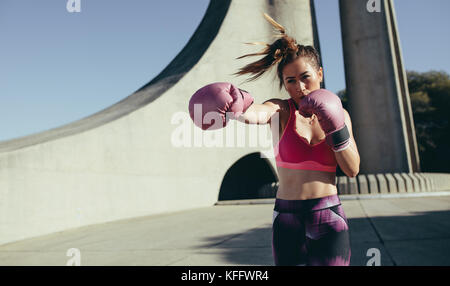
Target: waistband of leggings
[{"x": 295, "y": 206}]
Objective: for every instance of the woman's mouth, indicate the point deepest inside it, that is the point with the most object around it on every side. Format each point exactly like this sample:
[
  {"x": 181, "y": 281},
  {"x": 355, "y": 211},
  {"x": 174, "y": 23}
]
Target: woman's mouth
[{"x": 301, "y": 95}]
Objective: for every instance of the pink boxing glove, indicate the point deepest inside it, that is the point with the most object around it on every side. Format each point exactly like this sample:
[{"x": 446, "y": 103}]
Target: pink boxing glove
[
  {"x": 209, "y": 105},
  {"x": 329, "y": 111}
]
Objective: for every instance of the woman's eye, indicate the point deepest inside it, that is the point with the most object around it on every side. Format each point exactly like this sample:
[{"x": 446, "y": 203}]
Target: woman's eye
[
  {"x": 291, "y": 81},
  {"x": 306, "y": 76}
]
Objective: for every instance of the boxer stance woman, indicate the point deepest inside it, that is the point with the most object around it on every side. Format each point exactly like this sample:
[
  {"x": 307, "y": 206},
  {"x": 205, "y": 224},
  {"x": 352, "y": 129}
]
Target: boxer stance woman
[{"x": 315, "y": 134}]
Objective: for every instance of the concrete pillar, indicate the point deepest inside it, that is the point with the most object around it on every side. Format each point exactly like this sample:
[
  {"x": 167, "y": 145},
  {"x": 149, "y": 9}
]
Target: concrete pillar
[{"x": 377, "y": 88}]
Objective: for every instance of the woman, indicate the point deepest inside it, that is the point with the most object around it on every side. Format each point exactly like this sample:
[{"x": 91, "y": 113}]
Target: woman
[
  {"x": 315, "y": 134},
  {"x": 309, "y": 225}
]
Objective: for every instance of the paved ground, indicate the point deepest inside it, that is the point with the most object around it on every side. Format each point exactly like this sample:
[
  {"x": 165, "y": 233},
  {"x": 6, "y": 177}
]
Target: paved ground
[{"x": 407, "y": 231}]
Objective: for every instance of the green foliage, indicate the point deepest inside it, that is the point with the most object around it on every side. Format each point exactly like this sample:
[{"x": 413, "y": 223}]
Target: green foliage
[
  {"x": 344, "y": 98},
  {"x": 430, "y": 101}
]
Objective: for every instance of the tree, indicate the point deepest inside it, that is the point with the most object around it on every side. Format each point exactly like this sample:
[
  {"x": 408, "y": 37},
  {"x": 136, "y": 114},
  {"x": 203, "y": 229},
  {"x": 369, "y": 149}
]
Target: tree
[{"x": 430, "y": 101}]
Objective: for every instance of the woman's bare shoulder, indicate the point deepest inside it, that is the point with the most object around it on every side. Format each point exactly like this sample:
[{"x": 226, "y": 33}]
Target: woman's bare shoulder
[{"x": 279, "y": 103}]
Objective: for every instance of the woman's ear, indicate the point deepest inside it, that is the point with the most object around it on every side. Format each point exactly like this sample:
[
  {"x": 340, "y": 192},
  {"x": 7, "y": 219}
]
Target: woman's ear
[{"x": 321, "y": 74}]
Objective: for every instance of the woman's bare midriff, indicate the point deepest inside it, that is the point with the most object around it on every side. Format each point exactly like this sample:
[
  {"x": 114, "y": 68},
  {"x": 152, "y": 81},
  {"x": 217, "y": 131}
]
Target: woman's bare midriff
[{"x": 304, "y": 184}]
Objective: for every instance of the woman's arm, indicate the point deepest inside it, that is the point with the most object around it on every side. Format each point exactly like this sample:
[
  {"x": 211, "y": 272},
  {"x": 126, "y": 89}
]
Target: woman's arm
[
  {"x": 262, "y": 113},
  {"x": 348, "y": 159}
]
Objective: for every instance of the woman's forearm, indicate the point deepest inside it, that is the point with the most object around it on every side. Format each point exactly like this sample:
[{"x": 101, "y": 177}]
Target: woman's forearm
[
  {"x": 349, "y": 160},
  {"x": 257, "y": 114}
]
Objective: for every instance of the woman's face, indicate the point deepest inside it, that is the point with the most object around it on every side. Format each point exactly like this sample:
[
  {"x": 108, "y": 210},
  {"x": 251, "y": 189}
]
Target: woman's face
[{"x": 300, "y": 78}]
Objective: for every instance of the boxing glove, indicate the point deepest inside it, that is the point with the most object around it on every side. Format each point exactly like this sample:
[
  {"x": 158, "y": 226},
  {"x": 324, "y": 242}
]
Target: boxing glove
[
  {"x": 329, "y": 111},
  {"x": 213, "y": 105}
]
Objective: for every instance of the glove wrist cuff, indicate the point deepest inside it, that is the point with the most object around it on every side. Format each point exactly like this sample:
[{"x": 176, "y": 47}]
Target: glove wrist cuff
[{"x": 339, "y": 139}]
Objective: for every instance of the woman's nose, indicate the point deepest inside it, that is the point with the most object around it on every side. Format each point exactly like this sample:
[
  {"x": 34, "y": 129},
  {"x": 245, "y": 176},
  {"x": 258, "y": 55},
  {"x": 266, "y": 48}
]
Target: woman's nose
[{"x": 302, "y": 86}]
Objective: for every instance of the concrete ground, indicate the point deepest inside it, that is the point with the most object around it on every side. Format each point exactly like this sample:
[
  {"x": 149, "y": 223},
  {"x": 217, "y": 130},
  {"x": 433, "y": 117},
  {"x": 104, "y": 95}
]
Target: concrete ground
[{"x": 406, "y": 231}]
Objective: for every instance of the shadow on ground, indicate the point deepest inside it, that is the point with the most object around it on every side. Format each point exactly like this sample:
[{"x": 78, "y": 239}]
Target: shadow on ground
[{"x": 418, "y": 239}]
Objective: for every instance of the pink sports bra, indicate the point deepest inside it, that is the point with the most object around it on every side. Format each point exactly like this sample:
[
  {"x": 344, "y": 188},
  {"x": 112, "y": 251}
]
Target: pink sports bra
[{"x": 294, "y": 152}]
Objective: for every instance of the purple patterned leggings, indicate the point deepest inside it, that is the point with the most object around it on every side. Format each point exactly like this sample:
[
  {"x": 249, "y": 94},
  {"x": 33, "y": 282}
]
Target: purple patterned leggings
[{"x": 310, "y": 232}]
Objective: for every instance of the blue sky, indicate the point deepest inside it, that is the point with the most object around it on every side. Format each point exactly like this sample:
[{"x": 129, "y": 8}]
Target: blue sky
[{"x": 57, "y": 67}]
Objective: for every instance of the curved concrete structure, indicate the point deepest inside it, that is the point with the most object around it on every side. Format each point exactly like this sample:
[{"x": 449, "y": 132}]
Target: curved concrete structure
[{"x": 125, "y": 161}]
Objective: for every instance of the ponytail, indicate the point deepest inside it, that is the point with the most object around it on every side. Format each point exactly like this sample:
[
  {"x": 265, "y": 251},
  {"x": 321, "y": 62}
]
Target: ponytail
[{"x": 281, "y": 52}]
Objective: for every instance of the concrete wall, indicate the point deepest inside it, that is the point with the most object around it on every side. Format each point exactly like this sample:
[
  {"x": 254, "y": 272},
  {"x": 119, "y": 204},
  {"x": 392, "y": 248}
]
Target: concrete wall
[
  {"x": 122, "y": 162},
  {"x": 388, "y": 183},
  {"x": 382, "y": 183}
]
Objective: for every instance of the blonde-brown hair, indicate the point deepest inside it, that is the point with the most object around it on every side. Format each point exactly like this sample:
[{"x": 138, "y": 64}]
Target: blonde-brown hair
[{"x": 282, "y": 52}]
